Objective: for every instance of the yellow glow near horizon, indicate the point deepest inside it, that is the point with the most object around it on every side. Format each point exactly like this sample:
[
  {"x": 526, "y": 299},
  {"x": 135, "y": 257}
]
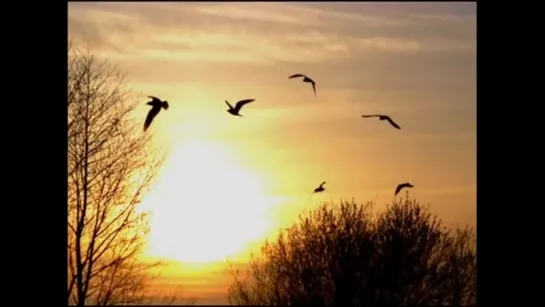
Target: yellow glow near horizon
[{"x": 205, "y": 206}]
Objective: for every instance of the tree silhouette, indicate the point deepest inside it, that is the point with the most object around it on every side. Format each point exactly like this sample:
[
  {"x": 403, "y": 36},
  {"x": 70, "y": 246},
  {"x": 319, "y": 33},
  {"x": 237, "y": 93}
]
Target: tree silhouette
[
  {"x": 110, "y": 165},
  {"x": 348, "y": 256}
]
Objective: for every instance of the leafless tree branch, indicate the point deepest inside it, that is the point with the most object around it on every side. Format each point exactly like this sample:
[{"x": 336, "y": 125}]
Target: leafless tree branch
[{"x": 110, "y": 166}]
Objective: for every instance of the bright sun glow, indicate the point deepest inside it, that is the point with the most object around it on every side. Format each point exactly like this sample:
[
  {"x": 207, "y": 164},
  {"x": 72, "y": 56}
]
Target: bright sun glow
[{"x": 204, "y": 207}]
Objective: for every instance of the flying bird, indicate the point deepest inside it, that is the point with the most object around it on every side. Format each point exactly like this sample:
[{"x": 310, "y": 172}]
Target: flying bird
[
  {"x": 156, "y": 105},
  {"x": 235, "y": 111},
  {"x": 383, "y": 117},
  {"x": 401, "y": 186},
  {"x": 318, "y": 189},
  {"x": 305, "y": 79}
]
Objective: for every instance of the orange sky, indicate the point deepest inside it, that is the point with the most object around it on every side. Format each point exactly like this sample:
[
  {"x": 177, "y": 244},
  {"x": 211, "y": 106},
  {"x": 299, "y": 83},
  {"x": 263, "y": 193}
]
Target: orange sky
[{"x": 248, "y": 176}]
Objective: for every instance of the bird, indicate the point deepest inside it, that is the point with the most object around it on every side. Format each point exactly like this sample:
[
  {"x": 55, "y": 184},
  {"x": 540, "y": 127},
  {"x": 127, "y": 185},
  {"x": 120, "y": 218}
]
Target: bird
[
  {"x": 305, "y": 79},
  {"x": 401, "y": 186},
  {"x": 156, "y": 105},
  {"x": 383, "y": 117},
  {"x": 235, "y": 111},
  {"x": 318, "y": 189}
]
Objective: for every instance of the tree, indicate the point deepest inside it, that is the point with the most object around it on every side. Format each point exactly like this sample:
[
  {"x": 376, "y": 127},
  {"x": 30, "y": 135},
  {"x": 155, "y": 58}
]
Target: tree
[
  {"x": 347, "y": 256},
  {"x": 110, "y": 165}
]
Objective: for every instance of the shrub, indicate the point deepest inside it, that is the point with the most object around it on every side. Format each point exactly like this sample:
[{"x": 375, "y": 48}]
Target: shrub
[{"x": 348, "y": 256}]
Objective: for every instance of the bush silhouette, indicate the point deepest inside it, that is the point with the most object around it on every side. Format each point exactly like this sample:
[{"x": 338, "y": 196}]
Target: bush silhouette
[{"x": 348, "y": 256}]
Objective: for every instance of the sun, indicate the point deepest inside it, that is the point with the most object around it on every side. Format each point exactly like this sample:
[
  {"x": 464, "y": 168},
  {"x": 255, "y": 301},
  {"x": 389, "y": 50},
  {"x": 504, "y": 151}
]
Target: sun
[{"x": 206, "y": 207}]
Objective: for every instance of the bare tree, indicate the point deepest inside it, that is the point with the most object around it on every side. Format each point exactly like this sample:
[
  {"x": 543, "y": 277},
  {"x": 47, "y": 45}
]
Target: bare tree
[
  {"x": 110, "y": 165},
  {"x": 347, "y": 256}
]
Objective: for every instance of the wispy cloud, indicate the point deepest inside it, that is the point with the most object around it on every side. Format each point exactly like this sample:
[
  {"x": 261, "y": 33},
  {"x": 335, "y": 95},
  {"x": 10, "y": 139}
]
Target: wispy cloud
[
  {"x": 255, "y": 32},
  {"x": 386, "y": 43},
  {"x": 266, "y": 12}
]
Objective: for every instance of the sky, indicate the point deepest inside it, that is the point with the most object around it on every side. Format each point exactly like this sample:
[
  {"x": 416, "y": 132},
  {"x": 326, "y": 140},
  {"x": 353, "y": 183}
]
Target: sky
[{"x": 228, "y": 182}]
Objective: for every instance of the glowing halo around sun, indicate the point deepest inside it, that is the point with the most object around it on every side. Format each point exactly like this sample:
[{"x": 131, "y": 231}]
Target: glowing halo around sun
[{"x": 205, "y": 207}]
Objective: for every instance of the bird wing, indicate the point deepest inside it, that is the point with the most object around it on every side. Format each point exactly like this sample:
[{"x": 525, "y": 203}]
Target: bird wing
[
  {"x": 241, "y": 103},
  {"x": 313, "y": 86},
  {"x": 399, "y": 187},
  {"x": 392, "y": 122},
  {"x": 322, "y": 184},
  {"x": 230, "y": 106},
  {"x": 151, "y": 115},
  {"x": 296, "y": 76},
  {"x": 367, "y": 116},
  {"x": 154, "y": 101}
]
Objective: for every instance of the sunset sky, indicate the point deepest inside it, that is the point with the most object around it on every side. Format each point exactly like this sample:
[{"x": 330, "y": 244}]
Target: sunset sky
[{"x": 230, "y": 181}]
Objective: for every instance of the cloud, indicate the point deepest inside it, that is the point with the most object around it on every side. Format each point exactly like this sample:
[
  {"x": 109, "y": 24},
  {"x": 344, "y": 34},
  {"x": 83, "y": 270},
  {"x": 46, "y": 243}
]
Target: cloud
[
  {"x": 445, "y": 17},
  {"x": 298, "y": 14},
  {"x": 264, "y": 33},
  {"x": 267, "y": 12},
  {"x": 386, "y": 43}
]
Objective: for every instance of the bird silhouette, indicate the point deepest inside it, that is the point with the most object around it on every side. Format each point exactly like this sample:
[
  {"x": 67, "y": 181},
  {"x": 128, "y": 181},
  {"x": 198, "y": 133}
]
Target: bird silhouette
[
  {"x": 305, "y": 79},
  {"x": 235, "y": 111},
  {"x": 318, "y": 189},
  {"x": 156, "y": 105},
  {"x": 383, "y": 117},
  {"x": 401, "y": 186}
]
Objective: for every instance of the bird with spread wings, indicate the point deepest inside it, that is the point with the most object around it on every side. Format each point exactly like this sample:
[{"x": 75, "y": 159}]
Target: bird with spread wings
[
  {"x": 318, "y": 189},
  {"x": 235, "y": 111},
  {"x": 156, "y": 105},
  {"x": 401, "y": 186},
  {"x": 383, "y": 117},
  {"x": 305, "y": 79}
]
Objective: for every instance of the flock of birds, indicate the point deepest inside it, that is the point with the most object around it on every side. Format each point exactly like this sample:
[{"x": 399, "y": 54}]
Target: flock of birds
[{"x": 158, "y": 104}]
